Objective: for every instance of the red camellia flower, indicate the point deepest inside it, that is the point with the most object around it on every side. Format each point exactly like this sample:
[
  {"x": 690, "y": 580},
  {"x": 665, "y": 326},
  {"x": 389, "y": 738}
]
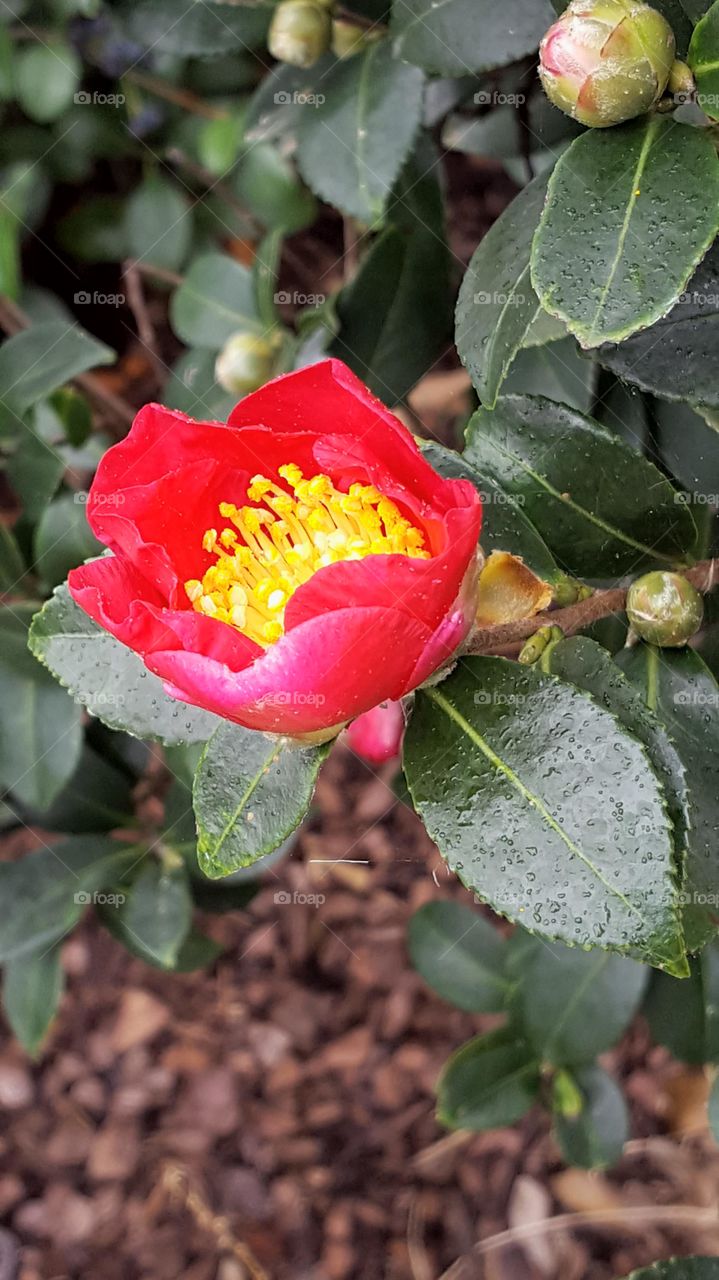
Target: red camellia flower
[{"x": 291, "y": 569}]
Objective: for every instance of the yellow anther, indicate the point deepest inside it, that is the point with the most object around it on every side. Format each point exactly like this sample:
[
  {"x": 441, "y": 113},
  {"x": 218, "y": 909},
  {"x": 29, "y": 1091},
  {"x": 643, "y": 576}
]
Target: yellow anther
[
  {"x": 291, "y": 473},
  {"x": 257, "y": 572}
]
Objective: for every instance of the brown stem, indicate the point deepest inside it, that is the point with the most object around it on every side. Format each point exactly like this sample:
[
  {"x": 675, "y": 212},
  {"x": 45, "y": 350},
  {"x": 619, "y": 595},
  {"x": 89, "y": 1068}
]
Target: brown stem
[
  {"x": 508, "y": 637},
  {"x": 179, "y": 97},
  {"x": 138, "y": 306}
]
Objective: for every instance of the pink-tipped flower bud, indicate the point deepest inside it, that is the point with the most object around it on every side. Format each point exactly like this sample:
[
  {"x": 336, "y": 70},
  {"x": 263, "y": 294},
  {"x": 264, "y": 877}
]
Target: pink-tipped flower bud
[
  {"x": 377, "y": 735},
  {"x": 605, "y": 61}
]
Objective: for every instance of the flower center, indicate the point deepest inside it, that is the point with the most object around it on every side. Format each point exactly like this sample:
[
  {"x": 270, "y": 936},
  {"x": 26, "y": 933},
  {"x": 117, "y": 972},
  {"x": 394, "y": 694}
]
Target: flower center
[{"x": 271, "y": 550}]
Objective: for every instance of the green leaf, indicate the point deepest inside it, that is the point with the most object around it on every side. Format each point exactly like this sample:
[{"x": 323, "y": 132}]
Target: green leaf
[
  {"x": 549, "y": 457},
  {"x": 158, "y": 913},
  {"x": 40, "y": 729},
  {"x": 266, "y": 270},
  {"x": 63, "y": 539},
  {"x": 108, "y": 678},
  {"x": 98, "y": 797},
  {"x": 490, "y": 1082},
  {"x": 395, "y": 314},
  {"x": 40, "y": 359},
  {"x": 215, "y": 300},
  {"x": 267, "y": 183},
  {"x": 504, "y": 524},
  {"x": 574, "y": 1005},
  {"x": 460, "y": 955},
  {"x": 594, "y": 1139},
  {"x": 684, "y": 1016},
  {"x": 679, "y": 1269},
  {"x": 193, "y": 387},
  {"x": 609, "y": 256},
  {"x": 250, "y": 793},
  {"x": 557, "y": 370},
  {"x": 688, "y": 445},
  {"x": 497, "y": 304},
  {"x": 353, "y": 144},
  {"x": 587, "y": 665},
  {"x": 95, "y": 231},
  {"x": 12, "y": 564},
  {"x": 44, "y": 894},
  {"x": 457, "y": 37},
  {"x": 46, "y": 77},
  {"x": 32, "y": 987},
  {"x": 684, "y": 696},
  {"x": 197, "y": 30},
  {"x": 564, "y": 831},
  {"x": 219, "y": 143},
  {"x": 703, "y": 59},
  {"x": 158, "y": 224},
  {"x": 676, "y": 357}
]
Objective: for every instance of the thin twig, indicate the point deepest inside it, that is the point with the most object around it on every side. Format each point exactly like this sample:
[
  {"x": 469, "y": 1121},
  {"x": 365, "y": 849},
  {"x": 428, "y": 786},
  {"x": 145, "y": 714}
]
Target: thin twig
[
  {"x": 639, "y": 1216},
  {"x": 508, "y": 637},
  {"x": 138, "y": 306},
  {"x": 178, "y": 97}
]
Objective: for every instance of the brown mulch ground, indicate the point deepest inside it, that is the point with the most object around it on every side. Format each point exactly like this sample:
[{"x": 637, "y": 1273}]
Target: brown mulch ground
[{"x": 274, "y": 1117}]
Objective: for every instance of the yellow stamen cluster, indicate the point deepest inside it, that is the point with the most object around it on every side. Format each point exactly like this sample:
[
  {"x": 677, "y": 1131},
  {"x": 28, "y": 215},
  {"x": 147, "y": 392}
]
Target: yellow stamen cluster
[{"x": 271, "y": 550}]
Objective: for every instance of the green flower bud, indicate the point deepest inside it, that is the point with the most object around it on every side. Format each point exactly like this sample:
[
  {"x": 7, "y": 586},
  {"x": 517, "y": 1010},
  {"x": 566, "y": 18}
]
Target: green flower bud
[
  {"x": 349, "y": 39},
  {"x": 605, "y": 61},
  {"x": 299, "y": 32},
  {"x": 664, "y": 608},
  {"x": 246, "y": 362}
]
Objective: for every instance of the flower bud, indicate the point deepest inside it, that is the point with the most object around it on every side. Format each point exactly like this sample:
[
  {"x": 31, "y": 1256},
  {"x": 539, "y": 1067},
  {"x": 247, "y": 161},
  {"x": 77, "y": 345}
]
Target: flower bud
[
  {"x": 377, "y": 735},
  {"x": 605, "y": 61},
  {"x": 246, "y": 362},
  {"x": 299, "y": 32},
  {"x": 349, "y": 39},
  {"x": 664, "y": 608}
]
